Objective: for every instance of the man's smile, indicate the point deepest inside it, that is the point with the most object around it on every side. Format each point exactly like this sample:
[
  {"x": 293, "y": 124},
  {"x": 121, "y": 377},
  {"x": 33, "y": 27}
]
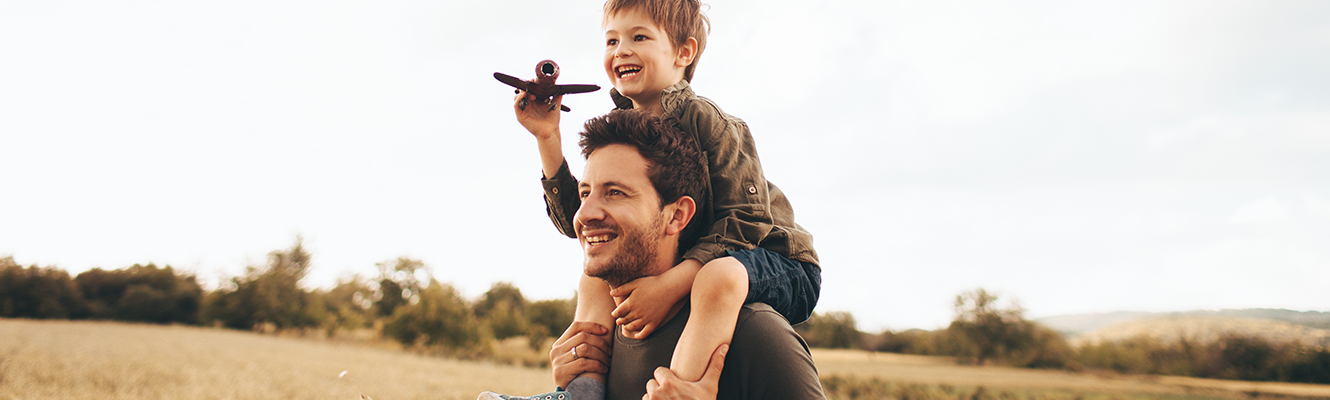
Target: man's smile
[{"x": 598, "y": 239}]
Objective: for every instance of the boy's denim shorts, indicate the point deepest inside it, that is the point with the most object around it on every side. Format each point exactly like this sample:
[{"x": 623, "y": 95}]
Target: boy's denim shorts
[{"x": 791, "y": 287}]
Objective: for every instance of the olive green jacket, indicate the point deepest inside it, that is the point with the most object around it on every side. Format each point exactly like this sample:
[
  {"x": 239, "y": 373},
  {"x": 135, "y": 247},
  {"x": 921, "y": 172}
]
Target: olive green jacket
[{"x": 747, "y": 211}]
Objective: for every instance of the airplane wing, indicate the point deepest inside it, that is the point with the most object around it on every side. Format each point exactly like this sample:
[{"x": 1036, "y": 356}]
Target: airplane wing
[
  {"x": 513, "y": 81},
  {"x": 569, "y": 89}
]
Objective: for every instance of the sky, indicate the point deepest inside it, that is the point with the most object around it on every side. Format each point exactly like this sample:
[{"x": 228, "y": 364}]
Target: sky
[{"x": 1077, "y": 157}]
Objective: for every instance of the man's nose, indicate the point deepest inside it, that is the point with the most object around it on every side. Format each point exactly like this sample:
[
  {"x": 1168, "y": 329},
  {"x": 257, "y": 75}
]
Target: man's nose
[{"x": 591, "y": 210}]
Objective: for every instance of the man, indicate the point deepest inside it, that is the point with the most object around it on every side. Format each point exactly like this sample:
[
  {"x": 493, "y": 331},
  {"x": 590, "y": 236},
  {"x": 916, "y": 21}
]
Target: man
[{"x": 639, "y": 189}]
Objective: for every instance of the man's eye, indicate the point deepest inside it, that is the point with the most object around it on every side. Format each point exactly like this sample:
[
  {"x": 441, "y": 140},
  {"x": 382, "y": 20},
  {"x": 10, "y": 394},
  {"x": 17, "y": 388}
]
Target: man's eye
[
  {"x": 611, "y": 42},
  {"x": 615, "y": 193},
  {"x": 583, "y": 194}
]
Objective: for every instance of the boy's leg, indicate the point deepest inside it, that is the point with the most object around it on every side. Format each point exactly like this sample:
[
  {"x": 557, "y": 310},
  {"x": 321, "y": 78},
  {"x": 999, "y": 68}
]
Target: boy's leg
[
  {"x": 594, "y": 304},
  {"x": 718, "y": 293}
]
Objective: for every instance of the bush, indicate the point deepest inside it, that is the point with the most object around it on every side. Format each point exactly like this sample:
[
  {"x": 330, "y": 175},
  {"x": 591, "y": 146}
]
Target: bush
[
  {"x": 1229, "y": 357},
  {"x": 141, "y": 293},
  {"x": 441, "y": 320},
  {"x": 835, "y": 330},
  {"x": 34, "y": 292},
  {"x": 268, "y": 295}
]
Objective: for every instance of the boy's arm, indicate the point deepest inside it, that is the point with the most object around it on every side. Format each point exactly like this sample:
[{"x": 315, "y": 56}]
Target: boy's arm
[
  {"x": 561, "y": 200},
  {"x": 651, "y": 298}
]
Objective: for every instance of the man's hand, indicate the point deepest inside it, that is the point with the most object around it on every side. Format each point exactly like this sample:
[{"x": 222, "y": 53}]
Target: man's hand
[
  {"x": 583, "y": 348},
  {"x": 536, "y": 116},
  {"x": 668, "y": 386}
]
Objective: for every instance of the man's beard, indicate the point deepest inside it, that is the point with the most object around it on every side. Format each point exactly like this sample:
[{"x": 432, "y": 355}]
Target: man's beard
[{"x": 636, "y": 251}]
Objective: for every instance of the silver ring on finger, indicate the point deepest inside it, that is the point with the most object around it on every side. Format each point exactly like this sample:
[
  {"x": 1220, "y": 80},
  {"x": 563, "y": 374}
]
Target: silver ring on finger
[{"x": 575, "y": 356}]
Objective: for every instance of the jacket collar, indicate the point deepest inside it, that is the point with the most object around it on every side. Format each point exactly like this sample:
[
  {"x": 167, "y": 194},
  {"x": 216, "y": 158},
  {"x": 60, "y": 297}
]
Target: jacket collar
[{"x": 672, "y": 98}]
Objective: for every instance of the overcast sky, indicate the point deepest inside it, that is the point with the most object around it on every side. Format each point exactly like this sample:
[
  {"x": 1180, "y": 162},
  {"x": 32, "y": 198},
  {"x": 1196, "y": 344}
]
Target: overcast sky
[{"x": 1076, "y": 156}]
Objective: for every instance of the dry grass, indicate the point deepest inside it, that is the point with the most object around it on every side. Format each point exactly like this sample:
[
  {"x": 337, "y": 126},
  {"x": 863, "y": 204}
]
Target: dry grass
[
  {"x": 104, "y": 360},
  {"x": 943, "y": 372}
]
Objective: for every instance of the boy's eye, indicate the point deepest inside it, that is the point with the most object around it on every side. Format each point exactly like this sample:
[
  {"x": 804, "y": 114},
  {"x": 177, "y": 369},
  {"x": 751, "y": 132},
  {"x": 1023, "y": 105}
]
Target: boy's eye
[{"x": 640, "y": 37}]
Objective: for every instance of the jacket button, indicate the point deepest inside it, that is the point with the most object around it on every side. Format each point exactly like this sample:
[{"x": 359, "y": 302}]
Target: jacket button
[
  {"x": 752, "y": 189},
  {"x": 556, "y": 190}
]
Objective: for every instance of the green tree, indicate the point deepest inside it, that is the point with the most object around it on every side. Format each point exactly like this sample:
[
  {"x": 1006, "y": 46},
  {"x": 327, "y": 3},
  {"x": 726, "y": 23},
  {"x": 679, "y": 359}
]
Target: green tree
[
  {"x": 349, "y": 305},
  {"x": 988, "y": 329},
  {"x": 143, "y": 293},
  {"x": 33, "y": 292},
  {"x": 549, "y": 318},
  {"x": 836, "y": 330},
  {"x": 440, "y": 318},
  {"x": 270, "y": 294},
  {"x": 503, "y": 308},
  {"x": 399, "y": 283}
]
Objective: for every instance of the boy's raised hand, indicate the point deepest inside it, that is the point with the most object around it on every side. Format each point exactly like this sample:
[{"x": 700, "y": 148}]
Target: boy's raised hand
[{"x": 537, "y": 117}]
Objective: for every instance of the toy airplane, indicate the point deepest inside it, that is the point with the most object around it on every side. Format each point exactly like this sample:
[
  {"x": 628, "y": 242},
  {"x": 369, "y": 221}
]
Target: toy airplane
[{"x": 543, "y": 87}]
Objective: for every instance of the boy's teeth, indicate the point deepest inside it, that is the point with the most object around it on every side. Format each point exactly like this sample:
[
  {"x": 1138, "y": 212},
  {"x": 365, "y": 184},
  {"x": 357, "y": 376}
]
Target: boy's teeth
[{"x": 626, "y": 71}]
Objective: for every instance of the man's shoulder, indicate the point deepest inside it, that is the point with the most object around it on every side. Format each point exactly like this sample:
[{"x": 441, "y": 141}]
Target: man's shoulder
[
  {"x": 768, "y": 359},
  {"x": 760, "y": 321}
]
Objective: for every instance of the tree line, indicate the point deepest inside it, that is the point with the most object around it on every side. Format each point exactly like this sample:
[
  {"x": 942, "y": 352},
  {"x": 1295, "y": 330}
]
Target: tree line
[
  {"x": 403, "y": 303},
  {"x": 986, "y": 331}
]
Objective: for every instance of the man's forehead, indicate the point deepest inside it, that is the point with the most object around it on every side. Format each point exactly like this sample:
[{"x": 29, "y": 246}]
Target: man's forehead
[{"x": 617, "y": 163}]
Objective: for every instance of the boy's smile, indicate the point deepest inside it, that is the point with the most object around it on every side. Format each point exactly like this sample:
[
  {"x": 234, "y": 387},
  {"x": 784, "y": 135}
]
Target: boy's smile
[{"x": 640, "y": 60}]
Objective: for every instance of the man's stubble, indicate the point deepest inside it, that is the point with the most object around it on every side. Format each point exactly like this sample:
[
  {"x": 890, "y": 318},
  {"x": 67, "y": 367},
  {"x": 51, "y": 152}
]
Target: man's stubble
[{"x": 638, "y": 249}]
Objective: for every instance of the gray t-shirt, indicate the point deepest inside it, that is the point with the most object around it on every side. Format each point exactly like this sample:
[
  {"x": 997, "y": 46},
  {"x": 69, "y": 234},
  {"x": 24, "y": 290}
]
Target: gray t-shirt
[{"x": 767, "y": 359}]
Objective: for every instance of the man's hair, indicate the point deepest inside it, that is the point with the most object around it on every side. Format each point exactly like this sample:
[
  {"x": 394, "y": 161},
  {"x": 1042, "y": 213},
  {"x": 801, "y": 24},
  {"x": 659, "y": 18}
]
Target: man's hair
[
  {"x": 680, "y": 19},
  {"x": 675, "y": 165}
]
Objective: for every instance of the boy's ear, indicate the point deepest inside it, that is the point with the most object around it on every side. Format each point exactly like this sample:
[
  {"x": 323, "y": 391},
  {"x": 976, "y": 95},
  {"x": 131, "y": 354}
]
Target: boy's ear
[
  {"x": 687, "y": 52},
  {"x": 678, "y": 214}
]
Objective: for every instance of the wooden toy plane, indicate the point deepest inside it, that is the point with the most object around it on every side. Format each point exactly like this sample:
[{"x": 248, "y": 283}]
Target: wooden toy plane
[{"x": 543, "y": 87}]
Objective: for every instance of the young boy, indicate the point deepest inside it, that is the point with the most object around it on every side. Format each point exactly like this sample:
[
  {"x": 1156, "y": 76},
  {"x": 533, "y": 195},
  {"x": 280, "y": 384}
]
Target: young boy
[{"x": 750, "y": 250}]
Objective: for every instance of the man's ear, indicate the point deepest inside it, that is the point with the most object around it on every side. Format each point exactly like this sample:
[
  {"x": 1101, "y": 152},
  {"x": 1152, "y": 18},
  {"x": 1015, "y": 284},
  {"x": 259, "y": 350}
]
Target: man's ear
[
  {"x": 679, "y": 213},
  {"x": 687, "y": 52}
]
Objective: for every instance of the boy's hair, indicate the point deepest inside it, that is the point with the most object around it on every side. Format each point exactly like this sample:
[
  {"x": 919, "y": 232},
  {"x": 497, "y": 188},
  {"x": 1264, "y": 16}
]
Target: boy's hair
[{"x": 681, "y": 19}]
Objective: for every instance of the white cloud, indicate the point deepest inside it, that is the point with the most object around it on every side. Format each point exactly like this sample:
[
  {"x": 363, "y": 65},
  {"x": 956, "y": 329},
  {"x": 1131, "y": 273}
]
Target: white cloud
[
  {"x": 1318, "y": 206},
  {"x": 1264, "y": 210}
]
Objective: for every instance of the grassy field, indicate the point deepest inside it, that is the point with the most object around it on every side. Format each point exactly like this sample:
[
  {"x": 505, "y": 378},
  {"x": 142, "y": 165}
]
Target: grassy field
[
  {"x": 940, "y": 377},
  {"x": 105, "y": 360}
]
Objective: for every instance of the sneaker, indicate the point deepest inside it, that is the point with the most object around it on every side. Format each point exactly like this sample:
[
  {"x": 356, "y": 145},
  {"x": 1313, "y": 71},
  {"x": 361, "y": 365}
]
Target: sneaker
[{"x": 555, "y": 395}]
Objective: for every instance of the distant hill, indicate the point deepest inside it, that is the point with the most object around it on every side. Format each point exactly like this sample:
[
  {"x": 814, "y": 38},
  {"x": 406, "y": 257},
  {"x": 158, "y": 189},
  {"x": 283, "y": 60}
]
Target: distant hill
[
  {"x": 1307, "y": 327},
  {"x": 1072, "y": 325}
]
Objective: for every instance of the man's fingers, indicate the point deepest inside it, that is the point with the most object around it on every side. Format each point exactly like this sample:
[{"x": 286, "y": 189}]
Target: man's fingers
[
  {"x": 592, "y": 352},
  {"x": 652, "y": 386},
  {"x": 582, "y": 326},
  {"x": 716, "y": 365}
]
